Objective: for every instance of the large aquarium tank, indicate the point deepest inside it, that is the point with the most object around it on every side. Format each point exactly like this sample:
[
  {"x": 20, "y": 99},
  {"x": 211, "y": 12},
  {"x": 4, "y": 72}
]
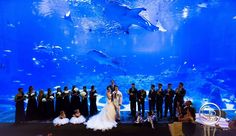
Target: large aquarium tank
[{"x": 51, "y": 43}]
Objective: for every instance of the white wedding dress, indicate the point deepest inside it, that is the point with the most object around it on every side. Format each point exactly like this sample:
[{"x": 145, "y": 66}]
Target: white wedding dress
[{"x": 105, "y": 119}]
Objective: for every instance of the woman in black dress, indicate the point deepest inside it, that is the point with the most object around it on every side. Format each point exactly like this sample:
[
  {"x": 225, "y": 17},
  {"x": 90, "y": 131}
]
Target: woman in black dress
[
  {"x": 84, "y": 102},
  {"x": 31, "y": 111},
  {"x": 41, "y": 105},
  {"x": 58, "y": 102},
  {"x": 50, "y": 104},
  {"x": 75, "y": 99},
  {"x": 20, "y": 110},
  {"x": 93, "y": 99},
  {"x": 66, "y": 101}
]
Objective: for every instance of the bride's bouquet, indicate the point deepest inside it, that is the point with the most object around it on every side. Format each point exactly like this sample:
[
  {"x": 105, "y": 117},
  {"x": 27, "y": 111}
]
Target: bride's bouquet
[
  {"x": 26, "y": 95},
  {"x": 32, "y": 94},
  {"x": 44, "y": 100},
  {"x": 76, "y": 89},
  {"x": 51, "y": 97},
  {"x": 66, "y": 92},
  {"x": 83, "y": 93}
]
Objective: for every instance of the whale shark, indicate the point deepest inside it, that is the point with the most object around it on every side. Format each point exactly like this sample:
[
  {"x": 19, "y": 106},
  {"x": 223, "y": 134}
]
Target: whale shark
[
  {"x": 110, "y": 11},
  {"x": 126, "y": 16},
  {"x": 103, "y": 59}
]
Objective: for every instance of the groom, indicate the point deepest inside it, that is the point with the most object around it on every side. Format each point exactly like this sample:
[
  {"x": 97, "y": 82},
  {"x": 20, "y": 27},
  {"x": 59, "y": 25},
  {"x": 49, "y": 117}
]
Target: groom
[{"x": 117, "y": 101}]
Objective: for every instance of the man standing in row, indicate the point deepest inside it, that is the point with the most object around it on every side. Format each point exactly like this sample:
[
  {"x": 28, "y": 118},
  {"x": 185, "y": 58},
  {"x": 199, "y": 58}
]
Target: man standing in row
[
  {"x": 133, "y": 98},
  {"x": 159, "y": 100},
  {"x": 117, "y": 101},
  {"x": 169, "y": 94},
  {"x": 152, "y": 98},
  {"x": 141, "y": 101},
  {"x": 179, "y": 98}
]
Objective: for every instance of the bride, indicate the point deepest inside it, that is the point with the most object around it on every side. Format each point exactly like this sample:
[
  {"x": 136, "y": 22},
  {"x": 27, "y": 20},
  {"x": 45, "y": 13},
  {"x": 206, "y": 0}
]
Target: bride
[{"x": 104, "y": 120}]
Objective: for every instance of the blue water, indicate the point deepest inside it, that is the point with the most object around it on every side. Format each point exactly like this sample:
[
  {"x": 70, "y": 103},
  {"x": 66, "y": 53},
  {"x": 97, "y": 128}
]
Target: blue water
[{"x": 48, "y": 43}]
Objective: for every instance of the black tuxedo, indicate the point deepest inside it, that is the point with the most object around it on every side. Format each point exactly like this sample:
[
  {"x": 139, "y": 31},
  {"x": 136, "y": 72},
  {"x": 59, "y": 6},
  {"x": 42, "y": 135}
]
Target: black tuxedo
[
  {"x": 133, "y": 98},
  {"x": 152, "y": 99},
  {"x": 112, "y": 87},
  {"x": 169, "y": 94},
  {"x": 159, "y": 102},
  {"x": 179, "y": 98},
  {"x": 141, "y": 101}
]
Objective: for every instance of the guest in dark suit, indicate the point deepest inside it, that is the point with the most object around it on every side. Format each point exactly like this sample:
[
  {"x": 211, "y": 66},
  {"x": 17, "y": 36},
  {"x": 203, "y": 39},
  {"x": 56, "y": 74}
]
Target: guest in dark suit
[
  {"x": 41, "y": 105},
  {"x": 179, "y": 98},
  {"x": 141, "y": 101},
  {"x": 112, "y": 86},
  {"x": 93, "y": 100},
  {"x": 133, "y": 98},
  {"x": 159, "y": 101},
  {"x": 75, "y": 99},
  {"x": 169, "y": 94},
  {"x": 59, "y": 102},
  {"x": 20, "y": 108},
  {"x": 152, "y": 98},
  {"x": 50, "y": 104},
  {"x": 31, "y": 111},
  {"x": 84, "y": 102}
]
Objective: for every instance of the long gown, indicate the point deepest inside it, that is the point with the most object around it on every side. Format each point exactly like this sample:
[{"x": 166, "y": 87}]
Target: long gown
[
  {"x": 20, "y": 113},
  {"x": 50, "y": 106},
  {"x": 59, "y": 102},
  {"x": 75, "y": 101},
  {"x": 93, "y": 104},
  {"x": 105, "y": 119},
  {"x": 42, "y": 108},
  {"x": 84, "y": 105},
  {"x": 31, "y": 111}
]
